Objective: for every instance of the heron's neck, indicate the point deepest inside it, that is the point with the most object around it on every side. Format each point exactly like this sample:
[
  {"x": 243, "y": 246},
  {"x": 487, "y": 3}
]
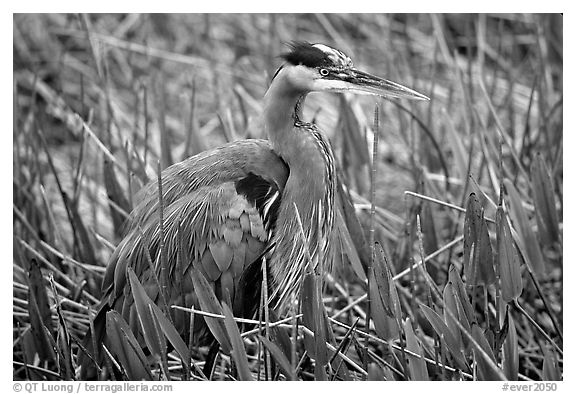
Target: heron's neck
[
  {"x": 282, "y": 109},
  {"x": 306, "y": 208},
  {"x": 300, "y": 144}
]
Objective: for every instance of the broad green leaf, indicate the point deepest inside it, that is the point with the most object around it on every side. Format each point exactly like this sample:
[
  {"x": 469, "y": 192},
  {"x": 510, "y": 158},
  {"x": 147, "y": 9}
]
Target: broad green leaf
[
  {"x": 458, "y": 150},
  {"x": 352, "y": 131},
  {"x": 355, "y": 153},
  {"x": 280, "y": 358},
  {"x": 471, "y": 230},
  {"x": 487, "y": 368},
  {"x": 382, "y": 280},
  {"x": 320, "y": 331},
  {"x": 238, "y": 349},
  {"x": 527, "y": 236},
  {"x": 460, "y": 293},
  {"x": 308, "y": 313},
  {"x": 416, "y": 365},
  {"x": 478, "y": 255},
  {"x": 172, "y": 335},
  {"x": 63, "y": 339},
  {"x": 486, "y": 202},
  {"x": 394, "y": 302},
  {"x": 348, "y": 246},
  {"x": 165, "y": 132},
  {"x": 345, "y": 209},
  {"x": 454, "y": 346},
  {"x": 430, "y": 239},
  {"x": 550, "y": 369},
  {"x": 458, "y": 313},
  {"x": 152, "y": 337},
  {"x": 385, "y": 325},
  {"x": 82, "y": 235},
  {"x": 503, "y": 332},
  {"x": 119, "y": 204},
  {"x": 39, "y": 312},
  {"x": 209, "y": 303},
  {"x": 451, "y": 307},
  {"x": 510, "y": 360},
  {"x": 314, "y": 317},
  {"x": 387, "y": 286},
  {"x": 375, "y": 373},
  {"x": 279, "y": 335},
  {"x": 29, "y": 350},
  {"x": 484, "y": 256},
  {"x": 508, "y": 261},
  {"x": 124, "y": 346},
  {"x": 544, "y": 201}
]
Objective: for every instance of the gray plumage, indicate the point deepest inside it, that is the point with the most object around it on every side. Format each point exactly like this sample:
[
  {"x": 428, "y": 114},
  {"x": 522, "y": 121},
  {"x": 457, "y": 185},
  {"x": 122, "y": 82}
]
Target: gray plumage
[{"x": 224, "y": 208}]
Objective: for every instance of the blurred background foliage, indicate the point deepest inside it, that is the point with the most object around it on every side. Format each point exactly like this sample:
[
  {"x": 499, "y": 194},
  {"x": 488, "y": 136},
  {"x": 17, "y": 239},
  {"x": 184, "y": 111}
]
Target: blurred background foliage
[{"x": 101, "y": 100}]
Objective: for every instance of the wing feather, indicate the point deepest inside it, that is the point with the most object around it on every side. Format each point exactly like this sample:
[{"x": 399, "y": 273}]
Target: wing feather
[
  {"x": 208, "y": 201},
  {"x": 238, "y": 259},
  {"x": 216, "y": 217},
  {"x": 211, "y": 269},
  {"x": 257, "y": 227},
  {"x": 232, "y": 235},
  {"x": 227, "y": 283},
  {"x": 245, "y": 222},
  {"x": 222, "y": 254}
]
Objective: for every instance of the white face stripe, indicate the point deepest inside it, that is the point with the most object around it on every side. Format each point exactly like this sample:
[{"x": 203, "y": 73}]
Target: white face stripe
[{"x": 335, "y": 55}]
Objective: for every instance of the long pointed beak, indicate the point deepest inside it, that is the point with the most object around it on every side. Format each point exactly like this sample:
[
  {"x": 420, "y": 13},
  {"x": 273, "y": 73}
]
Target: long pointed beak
[{"x": 367, "y": 83}]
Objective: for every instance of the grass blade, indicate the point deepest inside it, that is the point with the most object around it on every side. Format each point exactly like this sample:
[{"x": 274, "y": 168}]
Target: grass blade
[
  {"x": 458, "y": 150},
  {"x": 348, "y": 245},
  {"x": 345, "y": 209},
  {"x": 63, "y": 339},
  {"x": 313, "y": 317},
  {"x": 39, "y": 312},
  {"x": 125, "y": 347},
  {"x": 460, "y": 293},
  {"x": 487, "y": 369},
  {"x": 279, "y": 357},
  {"x": 508, "y": 261},
  {"x": 116, "y": 195},
  {"x": 85, "y": 242},
  {"x": 453, "y": 305},
  {"x": 510, "y": 359},
  {"x": 209, "y": 303},
  {"x": 478, "y": 256},
  {"x": 445, "y": 334},
  {"x": 527, "y": 236},
  {"x": 142, "y": 301},
  {"x": 544, "y": 201},
  {"x": 384, "y": 324},
  {"x": 172, "y": 335},
  {"x": 238, "y": 349},
  {"x": 375, "y": 373},
  {"x": 416, "y": 365},
  {"x": 550, "y": 370}
]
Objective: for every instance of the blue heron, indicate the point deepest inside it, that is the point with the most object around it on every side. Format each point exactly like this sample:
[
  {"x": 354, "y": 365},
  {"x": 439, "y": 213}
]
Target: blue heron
[{"x": 226, "y": 209}]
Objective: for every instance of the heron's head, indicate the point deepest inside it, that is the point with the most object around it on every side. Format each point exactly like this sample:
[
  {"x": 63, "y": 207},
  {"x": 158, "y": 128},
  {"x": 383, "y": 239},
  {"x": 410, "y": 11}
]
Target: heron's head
[{"x": 319, "y": 68}]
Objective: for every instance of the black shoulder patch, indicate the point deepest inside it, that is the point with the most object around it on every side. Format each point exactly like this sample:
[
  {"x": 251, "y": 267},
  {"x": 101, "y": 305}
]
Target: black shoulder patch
[
  {"x": 304, "y": 53},
  {"x": 263, "y": 194}
]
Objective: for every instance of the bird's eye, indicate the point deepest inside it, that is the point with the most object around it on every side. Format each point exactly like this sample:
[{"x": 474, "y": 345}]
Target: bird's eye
[{"x": 324, "y": 72}]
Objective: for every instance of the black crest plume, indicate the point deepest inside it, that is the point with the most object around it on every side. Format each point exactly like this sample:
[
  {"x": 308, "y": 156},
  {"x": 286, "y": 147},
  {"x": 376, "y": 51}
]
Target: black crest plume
[{"x": 304, "y": 53}]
